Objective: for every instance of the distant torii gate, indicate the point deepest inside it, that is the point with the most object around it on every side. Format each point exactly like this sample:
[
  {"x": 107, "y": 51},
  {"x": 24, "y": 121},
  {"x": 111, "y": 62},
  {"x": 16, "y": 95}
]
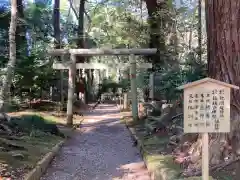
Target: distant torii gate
[{"x": 72, "y": 66}]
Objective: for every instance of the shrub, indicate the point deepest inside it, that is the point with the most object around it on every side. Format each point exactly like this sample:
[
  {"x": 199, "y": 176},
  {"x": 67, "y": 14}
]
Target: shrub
[{"x": 28, "y": 123}]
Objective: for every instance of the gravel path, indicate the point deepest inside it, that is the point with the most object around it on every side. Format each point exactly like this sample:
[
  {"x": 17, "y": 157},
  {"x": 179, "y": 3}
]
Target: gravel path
[{"x": 103, "y": 150}]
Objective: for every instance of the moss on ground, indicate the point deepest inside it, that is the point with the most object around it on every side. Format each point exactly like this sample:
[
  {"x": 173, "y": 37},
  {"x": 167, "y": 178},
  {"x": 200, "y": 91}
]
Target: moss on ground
[
  {"x": 162, "y": 166},
  {"x": 33, "y": 149},
  {"x": 154, "y": 152},
  {"x": 54, "y": 117},
  {"x": 20, "y": 152}
]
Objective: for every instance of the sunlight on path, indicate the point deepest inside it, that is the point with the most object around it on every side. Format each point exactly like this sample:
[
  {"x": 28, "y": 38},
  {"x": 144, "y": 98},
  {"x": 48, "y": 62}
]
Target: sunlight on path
[{"x": 101, "y": 150}]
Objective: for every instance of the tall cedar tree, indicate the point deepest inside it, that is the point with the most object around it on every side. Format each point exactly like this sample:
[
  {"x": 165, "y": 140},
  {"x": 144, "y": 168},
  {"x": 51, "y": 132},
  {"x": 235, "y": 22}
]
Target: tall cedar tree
[{"x": 223, "y": 29}]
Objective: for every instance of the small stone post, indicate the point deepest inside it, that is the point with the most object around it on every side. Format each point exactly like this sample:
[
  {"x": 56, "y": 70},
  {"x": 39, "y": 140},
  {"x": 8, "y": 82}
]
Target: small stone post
[{"x": 125, "y": 101}]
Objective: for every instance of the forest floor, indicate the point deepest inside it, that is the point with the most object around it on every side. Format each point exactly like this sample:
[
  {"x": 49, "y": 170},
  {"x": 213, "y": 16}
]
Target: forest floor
[
  {"x": 102, "y": 149},
  {"x": 96, "y": 151},
  {"x": 160, "y": 157},
  {"x": 18, "y": 155},
  {"x": 30, "y": 135},
  {"x": 22, "y": 149},
  {"x": 157, "y": 155}
]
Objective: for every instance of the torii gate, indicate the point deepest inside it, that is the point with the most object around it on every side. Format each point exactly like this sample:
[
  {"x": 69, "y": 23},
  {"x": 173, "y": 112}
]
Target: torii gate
[{"x": 72, "y": 66}]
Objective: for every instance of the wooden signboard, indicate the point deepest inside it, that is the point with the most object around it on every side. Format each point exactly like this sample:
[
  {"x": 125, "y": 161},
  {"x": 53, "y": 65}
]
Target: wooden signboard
[
  {"x": 207, "y": 106},
  {"x": 207, "y": 110}
]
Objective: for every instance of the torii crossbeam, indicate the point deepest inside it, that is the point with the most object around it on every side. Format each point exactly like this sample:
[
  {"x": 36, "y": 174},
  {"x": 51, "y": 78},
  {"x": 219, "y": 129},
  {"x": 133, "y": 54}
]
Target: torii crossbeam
[
  {"x": 99, "y": 65},
  {"x": 72, "y": 66}
]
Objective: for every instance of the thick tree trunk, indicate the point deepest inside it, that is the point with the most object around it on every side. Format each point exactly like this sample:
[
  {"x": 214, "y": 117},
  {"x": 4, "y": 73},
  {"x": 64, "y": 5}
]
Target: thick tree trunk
[
  {"x": 157, "y": 21},
  {"x": 223, "y": 31},
  {"x": 224, "y": 53},
  {"x": 12, "y": 57}
]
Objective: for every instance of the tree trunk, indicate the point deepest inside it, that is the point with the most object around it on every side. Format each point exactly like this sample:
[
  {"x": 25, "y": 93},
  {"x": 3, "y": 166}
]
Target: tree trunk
[
  {"x": 222, "y": 18},
  {"x": 21, "y": 40},
  {"x": 56, "y": 24},
  {"x": 12, "y": 57},
  {"x": 200, "y": 30},
  {"x": 157, "y": 22},
  {"x": 224, "y": 47},
  {"x": 57, "y": 42},
  {"x": 80, "y": 42},
  {"x": 224, "y": 53},
  {"x": 190, "y": 39}
]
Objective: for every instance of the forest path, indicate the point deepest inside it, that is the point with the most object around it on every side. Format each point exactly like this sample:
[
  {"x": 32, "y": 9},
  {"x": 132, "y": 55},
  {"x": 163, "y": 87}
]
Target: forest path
[{"x": 101, "y": 150}]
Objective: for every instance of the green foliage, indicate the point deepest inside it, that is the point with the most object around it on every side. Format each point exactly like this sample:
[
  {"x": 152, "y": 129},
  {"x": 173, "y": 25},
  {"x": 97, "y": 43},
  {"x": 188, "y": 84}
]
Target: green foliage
[
  {"x": 4, "y": 24},
  {"x": 108, "y": 85},
  {"x": 33, "y": 123},
  {"x": 191, "y": 70},
  {"x": 108, "y": 26},
  {"x": 39, "y": 22},
  {"x": 194, "y": 70},
  {"x": 35, "y": 76},
  {"x": 37, "y": 133},
  {"x": 117, "y": 27}
]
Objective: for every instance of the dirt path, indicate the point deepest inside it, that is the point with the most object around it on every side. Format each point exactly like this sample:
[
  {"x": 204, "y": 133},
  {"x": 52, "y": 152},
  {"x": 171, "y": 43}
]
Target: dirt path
[{"x": 103, "y": 150}]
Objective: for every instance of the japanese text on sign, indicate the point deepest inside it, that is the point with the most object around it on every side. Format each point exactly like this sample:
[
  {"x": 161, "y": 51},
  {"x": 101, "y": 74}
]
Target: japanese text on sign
[{"x": 205, "y": 110}]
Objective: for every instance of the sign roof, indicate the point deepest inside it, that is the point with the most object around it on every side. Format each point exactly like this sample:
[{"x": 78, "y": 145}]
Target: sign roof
[{"x": 205, "y": 80}]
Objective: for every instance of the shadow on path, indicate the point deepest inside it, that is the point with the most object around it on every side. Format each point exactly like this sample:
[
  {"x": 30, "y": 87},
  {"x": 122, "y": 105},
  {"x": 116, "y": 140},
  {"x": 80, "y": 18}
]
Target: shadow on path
[{"x": 101, "y": 150}]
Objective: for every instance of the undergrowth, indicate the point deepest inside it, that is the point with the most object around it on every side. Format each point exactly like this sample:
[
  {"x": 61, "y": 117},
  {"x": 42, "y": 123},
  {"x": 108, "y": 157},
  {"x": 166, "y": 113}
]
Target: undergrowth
[
  {"x": 157, "y": 152},
  {"x": 32, "y": 136},
  {"x": 29, "y": 123}
]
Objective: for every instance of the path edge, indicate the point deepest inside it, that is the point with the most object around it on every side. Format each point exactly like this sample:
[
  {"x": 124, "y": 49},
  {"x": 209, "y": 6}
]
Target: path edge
[
  {"x": 155, "y": 174},
  {"x": 42, "y": 165},
  {"x": 140, "y": 146}
]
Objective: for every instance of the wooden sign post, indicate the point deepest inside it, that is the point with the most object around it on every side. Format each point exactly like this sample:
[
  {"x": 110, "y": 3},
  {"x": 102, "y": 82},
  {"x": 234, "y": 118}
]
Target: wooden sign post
[{"x": 206, "y": 110}]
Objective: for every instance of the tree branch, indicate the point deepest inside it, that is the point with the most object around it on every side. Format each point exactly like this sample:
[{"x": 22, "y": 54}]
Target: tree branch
[
  {"x": 88, "y": 17},
  {"x": 74, "y": 10}
]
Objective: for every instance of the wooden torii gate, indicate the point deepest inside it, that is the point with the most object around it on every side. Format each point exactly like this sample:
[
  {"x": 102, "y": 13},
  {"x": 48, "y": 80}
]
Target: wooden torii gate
[{"x": 72, "y": 66}]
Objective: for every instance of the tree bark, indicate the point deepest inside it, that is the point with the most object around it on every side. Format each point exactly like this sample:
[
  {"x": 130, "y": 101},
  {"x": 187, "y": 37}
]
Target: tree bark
[
  {"x": 222, "y": 19},
  {"x": 56, "y": 24},
  {"x": 224, "y": 48},
  {"x": 200, "y": 30},
  {"x": 21, "y": 40},
  {"x": 57, "y": 42},
  {"x": 157, "y": 22},
  {"x": 12, "y": 57},
  {"x": 80, "y": 42}
]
